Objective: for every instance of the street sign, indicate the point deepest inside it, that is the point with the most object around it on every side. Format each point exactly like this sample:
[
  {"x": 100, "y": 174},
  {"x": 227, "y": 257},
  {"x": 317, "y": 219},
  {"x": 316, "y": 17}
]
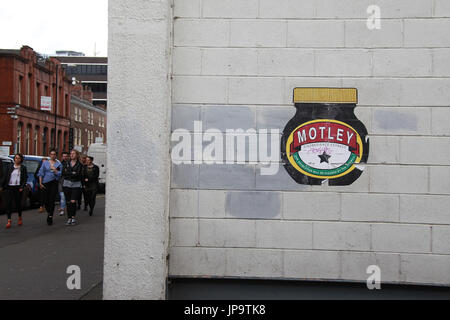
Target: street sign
[{"x": 46, "y": 103}]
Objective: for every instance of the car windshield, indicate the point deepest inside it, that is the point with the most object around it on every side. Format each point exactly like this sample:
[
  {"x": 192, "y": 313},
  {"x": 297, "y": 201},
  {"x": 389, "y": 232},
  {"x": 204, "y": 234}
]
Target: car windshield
[{"x": 31, "y": 165}]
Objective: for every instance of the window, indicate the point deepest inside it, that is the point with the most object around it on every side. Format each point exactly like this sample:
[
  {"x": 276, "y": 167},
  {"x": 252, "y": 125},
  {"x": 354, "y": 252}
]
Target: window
[
  {"x": 90, "y": 118},
  {"x": 75, "y": 136},
  {"x": 28, "y": 140},
  {"x": 19, "y": 138},
  {"x": 65, "y": 141},
  {"x": 38, "y": 95},
  {"x": 60, "y": 102},
  {"x": 35, "y": 142},
  {"x": 58, "y": 142},
  {"x": 66, "y": 108},
  {"x": 101, "y": 135},
  {"x": 45, "y": 142},
  {"x": 29, "y": 91},
  {"x": 20, "y": 89},
  {"x": 89, "y": 138},
  {"x": 77, "y": 114},
  {"x": 52, "y": 139}
]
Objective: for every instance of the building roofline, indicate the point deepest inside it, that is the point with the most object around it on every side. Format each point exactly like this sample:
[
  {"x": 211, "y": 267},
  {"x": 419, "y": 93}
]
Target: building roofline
[{"x": 87, "y": 104}]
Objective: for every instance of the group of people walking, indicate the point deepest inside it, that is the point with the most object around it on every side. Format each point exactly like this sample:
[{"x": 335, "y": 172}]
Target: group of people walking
[{"x": 71, "y": 177}]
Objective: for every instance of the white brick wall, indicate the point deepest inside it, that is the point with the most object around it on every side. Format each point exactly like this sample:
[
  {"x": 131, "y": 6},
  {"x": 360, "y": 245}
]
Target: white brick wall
[{"x": 244, "y": 58}]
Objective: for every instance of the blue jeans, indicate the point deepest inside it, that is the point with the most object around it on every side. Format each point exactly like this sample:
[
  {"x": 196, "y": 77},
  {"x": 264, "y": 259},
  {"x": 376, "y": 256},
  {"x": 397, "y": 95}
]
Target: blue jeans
[{"x": 63, "y": 200}]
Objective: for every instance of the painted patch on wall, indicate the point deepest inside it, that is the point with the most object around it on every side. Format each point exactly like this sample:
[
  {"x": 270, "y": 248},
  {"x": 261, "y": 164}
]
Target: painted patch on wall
[{"x": 325, "y": 141}]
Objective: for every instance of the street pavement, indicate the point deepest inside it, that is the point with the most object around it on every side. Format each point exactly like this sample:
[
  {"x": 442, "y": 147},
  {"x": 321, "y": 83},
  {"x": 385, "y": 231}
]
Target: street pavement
[{"x": 34, "y": 258}]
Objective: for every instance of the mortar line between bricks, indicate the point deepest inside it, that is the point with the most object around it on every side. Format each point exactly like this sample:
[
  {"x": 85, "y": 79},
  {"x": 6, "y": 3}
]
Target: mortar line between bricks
[
  {"x": 289, "y": 106},
  {"x": 237, "y": 135},
  {"x": 316, "y": 191},
  {"x": 206, "y": 46},
  {"x": 370, "y": 164},
  {"x": 394, "y": 253},
  {"x": 372, "y": 135},
  {"x": 337, "y": 77},
  {"x": 305, "y": 19},
  {"x": 309, "y": 221}
]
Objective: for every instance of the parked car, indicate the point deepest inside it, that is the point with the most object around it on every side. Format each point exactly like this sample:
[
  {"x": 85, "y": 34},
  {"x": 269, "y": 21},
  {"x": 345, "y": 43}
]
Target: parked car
[
  {"x": 32, "y": 163},
  {"x": 6, "y": 162}
]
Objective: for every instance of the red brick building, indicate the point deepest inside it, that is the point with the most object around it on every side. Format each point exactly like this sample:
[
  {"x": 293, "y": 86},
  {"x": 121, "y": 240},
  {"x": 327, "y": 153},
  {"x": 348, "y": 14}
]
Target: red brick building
[
  {"x": 88, "y": 121},
  {"x": 25, "y": 77}
]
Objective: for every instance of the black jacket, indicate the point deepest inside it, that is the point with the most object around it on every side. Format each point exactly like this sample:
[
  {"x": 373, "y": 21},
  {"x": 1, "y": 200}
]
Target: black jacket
[
  {"x": 74, "y": 173},
  {"x": 93, "y": 180},
  {"x": 7, "y": 176}
]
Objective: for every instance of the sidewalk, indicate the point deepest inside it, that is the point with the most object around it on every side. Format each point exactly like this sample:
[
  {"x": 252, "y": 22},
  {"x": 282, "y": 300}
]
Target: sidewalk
[{"x": 35, "y": 257}]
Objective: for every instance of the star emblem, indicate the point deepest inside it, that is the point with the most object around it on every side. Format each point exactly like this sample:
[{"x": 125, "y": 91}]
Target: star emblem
[{"x": 324, "y": 157}]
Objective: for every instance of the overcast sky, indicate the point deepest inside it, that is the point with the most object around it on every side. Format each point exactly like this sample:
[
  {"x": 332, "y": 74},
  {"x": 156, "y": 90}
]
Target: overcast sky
[{"x": 50, "y": 25}]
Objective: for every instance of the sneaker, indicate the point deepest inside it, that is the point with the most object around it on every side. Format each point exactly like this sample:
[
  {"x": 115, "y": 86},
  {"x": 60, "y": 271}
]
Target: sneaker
[
  {"x": 61, "y": 212},
  {"x": 74, "y": 222},
  {"x": 20, "y": 223},
  {"x": 69, "y": 222},
  {"x": 50, "y": 221},
  {"x": 9, "y": 224}
]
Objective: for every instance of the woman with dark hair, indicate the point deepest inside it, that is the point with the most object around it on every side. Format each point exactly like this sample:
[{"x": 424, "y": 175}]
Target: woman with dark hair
[
  {"x": 49, "y": 175},
  {"x": 14, "y": 182},
  {"x": 91, "y": 173},
  {"x": 72, "y": 174},
  {"x": 41, "y": 193}
]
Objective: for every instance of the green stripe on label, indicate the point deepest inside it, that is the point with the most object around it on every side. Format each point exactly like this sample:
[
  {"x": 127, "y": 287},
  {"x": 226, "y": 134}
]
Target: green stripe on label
[{"x": 325, "y": 172}]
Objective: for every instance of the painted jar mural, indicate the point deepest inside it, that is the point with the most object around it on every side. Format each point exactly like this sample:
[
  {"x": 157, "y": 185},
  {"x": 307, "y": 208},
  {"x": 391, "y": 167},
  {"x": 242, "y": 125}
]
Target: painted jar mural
[{"x": 325, "y": 141}]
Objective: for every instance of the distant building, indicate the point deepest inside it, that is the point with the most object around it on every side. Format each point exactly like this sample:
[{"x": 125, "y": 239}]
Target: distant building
[
  {"x": 89, "y": 71},
  {"x": 88, "y": 122},
  {"x": 67, "y": 53},
  {"x": 25, "y": 77}
]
